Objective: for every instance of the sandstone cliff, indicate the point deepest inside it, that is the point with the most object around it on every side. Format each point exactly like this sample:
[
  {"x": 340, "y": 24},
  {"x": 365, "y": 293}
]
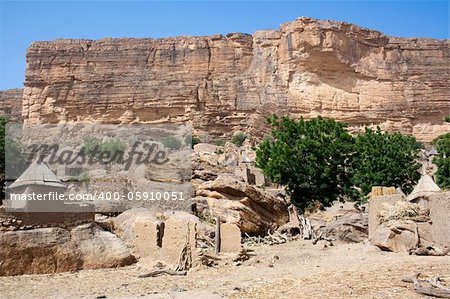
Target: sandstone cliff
[
  {"x": 11, "y": 104},
  {"x": 222, "y": 83}
]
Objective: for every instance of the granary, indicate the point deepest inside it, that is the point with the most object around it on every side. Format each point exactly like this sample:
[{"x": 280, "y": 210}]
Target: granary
[
  {"x": 36, "y": 190},
  {"x": 425, "y": 187},
  {"x": 37, "y": 198}
]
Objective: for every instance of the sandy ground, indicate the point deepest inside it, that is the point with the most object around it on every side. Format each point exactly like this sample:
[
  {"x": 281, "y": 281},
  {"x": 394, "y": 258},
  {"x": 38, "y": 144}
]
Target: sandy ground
[{"x": 296, "y": 269}]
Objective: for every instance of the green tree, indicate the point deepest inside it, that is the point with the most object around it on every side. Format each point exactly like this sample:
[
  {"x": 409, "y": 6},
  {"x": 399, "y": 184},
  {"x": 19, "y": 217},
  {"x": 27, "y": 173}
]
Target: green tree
[
  {"x": 385, "y": 159},
  {"x": 12, "y": 161},
  {"x": 313, "y": 159},
  {"x": 442, "y": 160}
]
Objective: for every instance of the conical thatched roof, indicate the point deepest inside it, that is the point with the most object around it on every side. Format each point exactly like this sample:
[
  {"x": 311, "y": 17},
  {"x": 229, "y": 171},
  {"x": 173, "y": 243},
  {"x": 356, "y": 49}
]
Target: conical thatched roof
[
  {"x": 424, "y": 187},
  {"x": 37, "y": 174}
]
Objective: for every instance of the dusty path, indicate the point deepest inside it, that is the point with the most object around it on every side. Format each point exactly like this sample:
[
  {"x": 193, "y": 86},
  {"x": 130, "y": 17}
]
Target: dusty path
[{"x": 301, "y": 270}]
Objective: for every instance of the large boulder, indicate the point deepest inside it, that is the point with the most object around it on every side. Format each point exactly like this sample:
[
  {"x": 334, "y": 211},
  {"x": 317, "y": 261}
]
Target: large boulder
[
  {"x": 52, "y": 250},
  {"x": 205, "y": 148},
  {"x": 99, "y": 248},
  {"x": 398, "y": 236},
  {"x": 252, "y": 209},
  {"x": 401, "y": 226},
  {"x": 125, "y": 224},
  {"x": 342, "y": 221},
  {"x": 439, "y": 216},
  {"x": 376, "y": 202}
]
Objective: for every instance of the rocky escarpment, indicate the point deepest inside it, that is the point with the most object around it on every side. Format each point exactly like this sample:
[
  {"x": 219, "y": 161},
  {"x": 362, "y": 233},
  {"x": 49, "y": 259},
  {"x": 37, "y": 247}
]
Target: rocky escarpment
[
  {"x": 11, "y": 104},
  {"x": 222, "y": 83}
]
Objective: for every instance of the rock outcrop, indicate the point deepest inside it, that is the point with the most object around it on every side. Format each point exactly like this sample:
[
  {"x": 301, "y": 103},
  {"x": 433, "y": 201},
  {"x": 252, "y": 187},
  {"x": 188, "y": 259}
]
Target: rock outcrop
[
  {"x": 342, "y": 221},
  {"x": 52, "y": 250},
  {"x": 253, "y": 210},
  {"x": 11, "y": 104},
  {"x": 221, "y": 83},
  {"x": 400, "y": 226}
]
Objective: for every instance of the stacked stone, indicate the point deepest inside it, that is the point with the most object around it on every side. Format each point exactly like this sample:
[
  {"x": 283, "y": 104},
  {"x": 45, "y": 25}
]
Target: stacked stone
[{"x": 68, "y": 220}]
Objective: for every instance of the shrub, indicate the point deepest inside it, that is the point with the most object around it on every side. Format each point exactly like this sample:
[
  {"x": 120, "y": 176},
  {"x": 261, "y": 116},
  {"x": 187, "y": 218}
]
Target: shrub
[
  {"x": 313, "y": 159},
  {"x": 447, "y": 119},
  {"x": 114, "y": 148},
  {"x": 219, "y": 142},
  {"x": 442, "y": 160},
  {"x": 239, "y": 138},
  {"x": 91, "y": 145},
  {"x": 172, "y": 142},
  {"x": 191, "y": 140}
]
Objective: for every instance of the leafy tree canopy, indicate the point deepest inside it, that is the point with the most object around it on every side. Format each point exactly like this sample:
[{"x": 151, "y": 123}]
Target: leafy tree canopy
[
  {"x": 385, "y": 159},
  {"x": 311, "y": 158},
  {"x": 442, "y": 160},
  {"x": 318, "y": 160},
  {"x": 12, "y": 161}
]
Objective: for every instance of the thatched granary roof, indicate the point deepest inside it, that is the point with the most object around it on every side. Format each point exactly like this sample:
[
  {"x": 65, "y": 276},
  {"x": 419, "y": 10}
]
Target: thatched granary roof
[
  {"x": 424, "y": 187},
  {"x": 37, "y": 174}
]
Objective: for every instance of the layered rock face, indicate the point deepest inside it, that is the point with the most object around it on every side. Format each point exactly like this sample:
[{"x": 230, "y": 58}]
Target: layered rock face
[
  {"x": 11, "y": 101},
  {"x": 222, "y": 83}
]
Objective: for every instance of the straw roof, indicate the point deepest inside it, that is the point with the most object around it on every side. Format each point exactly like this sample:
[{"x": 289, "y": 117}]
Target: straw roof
[
  {"x": 37, "y": 174},
  {"x": 424, "y": 187}
]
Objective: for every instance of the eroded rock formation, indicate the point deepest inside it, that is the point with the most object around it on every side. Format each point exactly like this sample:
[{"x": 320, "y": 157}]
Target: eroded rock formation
[
  {"x": 252, "y": 209},
  {"x": 307, "y": 67}
]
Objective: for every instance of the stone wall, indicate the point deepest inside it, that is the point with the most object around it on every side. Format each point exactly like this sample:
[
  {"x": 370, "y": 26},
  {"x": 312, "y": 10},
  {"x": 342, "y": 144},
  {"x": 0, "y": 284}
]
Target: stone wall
[
  {"x": 25, "y": 221},
  {"x": 221, "y": 83}
]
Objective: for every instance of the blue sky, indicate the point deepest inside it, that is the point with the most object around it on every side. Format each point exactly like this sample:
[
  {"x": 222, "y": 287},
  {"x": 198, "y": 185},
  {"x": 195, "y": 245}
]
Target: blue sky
[{"x": 24, "y": 22}]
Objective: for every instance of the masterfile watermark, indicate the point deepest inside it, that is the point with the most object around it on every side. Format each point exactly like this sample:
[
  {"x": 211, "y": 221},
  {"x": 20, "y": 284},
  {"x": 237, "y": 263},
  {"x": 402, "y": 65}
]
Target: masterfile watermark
[
  {"x": 101, "y": 168},
  {"x": 53, "y": 154},
  {"x": 105, "y": 195}
]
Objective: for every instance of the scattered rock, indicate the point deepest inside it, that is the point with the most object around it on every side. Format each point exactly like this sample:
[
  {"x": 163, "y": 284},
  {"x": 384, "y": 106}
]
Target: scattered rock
[{"x": 342, "y": 222}]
